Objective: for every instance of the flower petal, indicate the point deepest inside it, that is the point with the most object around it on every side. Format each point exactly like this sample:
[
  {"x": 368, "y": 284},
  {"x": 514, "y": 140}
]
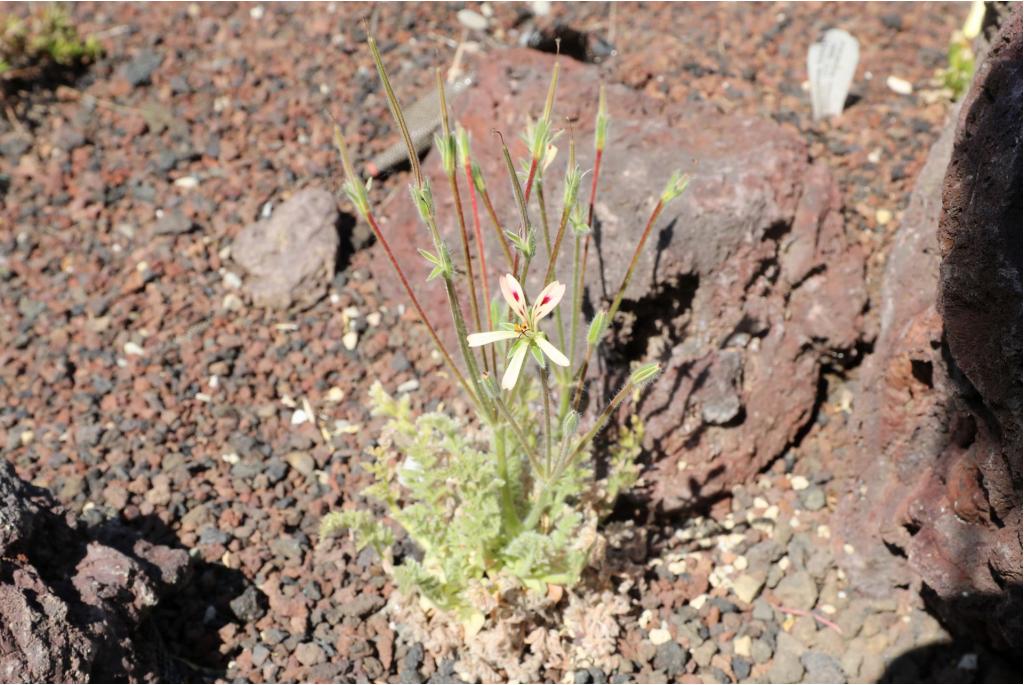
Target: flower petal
[
  {"x": 508, "y": 381},
  {"x": 513, "y": 293},
  {"x": 478, "y": 339},
  {"x": 548, "y": 300},
  {"x": 551, "y": 351}
]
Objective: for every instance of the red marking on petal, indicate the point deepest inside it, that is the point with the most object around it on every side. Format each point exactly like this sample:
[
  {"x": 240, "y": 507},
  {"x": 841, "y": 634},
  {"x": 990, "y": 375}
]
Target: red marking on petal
[
  {"x": 515, "y": 295},
  {"x": 547, "y": 298}
]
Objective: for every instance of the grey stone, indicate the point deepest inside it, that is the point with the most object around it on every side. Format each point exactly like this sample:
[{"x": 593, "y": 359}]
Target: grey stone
[
  {"x": 821, "y": 668},
  {"x": 290, "y": 257},
  {"x": 250, "y": 606},
  {"x": 740, "y": 668},
  {"x": 760, "y": 651},
  {"x": 702, "y": 655},
  {"x": 173, "y": 223},
  {"x": 786, "y": 667},
  {"x": 797, "y": 590},
  {"x": 363, "y": 605},
  {"x": 813, "y": 498},
  {"x": 139, "y": 71},
  {"x": 671, "y": 658}
]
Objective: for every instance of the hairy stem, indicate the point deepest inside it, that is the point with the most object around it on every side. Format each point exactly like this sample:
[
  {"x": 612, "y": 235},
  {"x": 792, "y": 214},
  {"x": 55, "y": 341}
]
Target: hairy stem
[
  {"x": 575, "y": 313},
  {"x": 546, "y": 393},
  {"x": 449, "y": 362},
  {"x": 636, "y": 256},
  {"x": 526, "y": 230},
  {"x": 483, "y": 256},
  {"x": 453, "y": 298},
  {"x": 599, "y": 423},
  {"x": 456, "y": 196},
  {"x": 502, "y": 240},
  {"x": 396, "y": 111}
]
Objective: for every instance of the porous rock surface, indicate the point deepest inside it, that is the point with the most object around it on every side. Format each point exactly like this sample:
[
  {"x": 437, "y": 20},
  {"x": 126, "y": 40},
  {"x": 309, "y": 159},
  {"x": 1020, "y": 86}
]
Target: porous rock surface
[
  {"x": 71, "y": 601},
  {"x": 939, "y": 478},
  {"x": 290, "y": 256},
  {"x": 746, "y": 286}
]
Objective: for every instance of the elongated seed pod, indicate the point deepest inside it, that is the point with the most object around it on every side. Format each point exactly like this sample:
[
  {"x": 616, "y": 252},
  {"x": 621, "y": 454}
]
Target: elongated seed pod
[{"x": 423, "y": 118}]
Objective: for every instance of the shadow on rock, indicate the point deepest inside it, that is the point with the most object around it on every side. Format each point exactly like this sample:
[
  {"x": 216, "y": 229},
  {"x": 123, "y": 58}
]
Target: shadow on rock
[{"x": 962, "y": 660}]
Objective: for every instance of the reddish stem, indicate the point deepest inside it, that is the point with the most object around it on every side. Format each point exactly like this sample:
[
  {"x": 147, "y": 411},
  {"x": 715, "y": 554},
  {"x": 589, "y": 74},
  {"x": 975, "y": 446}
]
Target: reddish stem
[
  {"x": 480, "y": 246},
  {"x": 803, "y": 612},
  {"x": 529, "y": 182},
  {"x": 590, "y": 214},
  {"x": 636, "y": 256},
  {"x": 419, "y": 309}
]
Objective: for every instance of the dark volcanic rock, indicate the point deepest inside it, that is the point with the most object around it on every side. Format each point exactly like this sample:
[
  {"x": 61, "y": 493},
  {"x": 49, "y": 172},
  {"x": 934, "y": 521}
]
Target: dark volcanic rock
[
  {"x": 71, "y": 604},
  {"x": 747, "y": 282},
  {"x": 940, "y": 405}
]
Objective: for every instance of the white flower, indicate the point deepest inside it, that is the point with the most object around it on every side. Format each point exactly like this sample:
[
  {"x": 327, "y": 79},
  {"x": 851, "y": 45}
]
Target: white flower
[{"x": 528, "y": 337}]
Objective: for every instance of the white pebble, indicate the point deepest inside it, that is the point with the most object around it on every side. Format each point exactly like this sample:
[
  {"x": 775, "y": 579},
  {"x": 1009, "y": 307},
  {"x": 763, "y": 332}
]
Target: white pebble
[
  {"x": 350, "y": 340},
  {"x": 299, "y": 417},
  {"x": 187, "y": 182},
  {"x": 335, "y": 395},
  {"x": 133, "y": 349},
  {"x": 409, "y": 385},
  {"x": 472, "y": 20},
  {"x": 232, "y": 302},
  {"x": 660, "y": 636},
  {"x": 232, "y": 281},
  {"x": 373, "y": 318},
  {"x": 899, "y": 85},
  {"x": 799, "y": 483}
]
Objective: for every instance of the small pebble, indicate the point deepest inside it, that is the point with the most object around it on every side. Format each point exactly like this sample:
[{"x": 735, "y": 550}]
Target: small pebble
[
  {"x": 472, "y": 20},
  {"x": 899, "y": 85}
]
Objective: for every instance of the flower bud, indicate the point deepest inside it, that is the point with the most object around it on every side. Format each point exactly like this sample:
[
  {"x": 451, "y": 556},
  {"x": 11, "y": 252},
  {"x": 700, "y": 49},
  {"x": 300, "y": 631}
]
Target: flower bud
[
  {"x": 644, "y": 373},
  {"x": 570, "y": 423},
  {"x": 596, "y": 329},
  {"x": 446, "y": 148},
  {"x": 462, "y": 142},
  {"x": 601, "y": 127},
  {"x": 675, "y": 186}
]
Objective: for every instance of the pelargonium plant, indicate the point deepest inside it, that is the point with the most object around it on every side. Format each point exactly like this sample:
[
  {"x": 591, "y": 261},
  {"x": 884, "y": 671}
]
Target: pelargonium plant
[{"x": 514, "y": 501}]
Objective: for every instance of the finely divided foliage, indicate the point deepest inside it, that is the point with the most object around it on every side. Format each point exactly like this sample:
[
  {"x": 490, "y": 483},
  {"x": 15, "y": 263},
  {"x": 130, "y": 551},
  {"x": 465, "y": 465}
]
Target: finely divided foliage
[{"x": 513, "y": 498}]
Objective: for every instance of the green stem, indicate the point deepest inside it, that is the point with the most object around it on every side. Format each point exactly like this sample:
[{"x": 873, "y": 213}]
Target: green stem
[
  {"x": 457, "y": 197},
  {"x": 526, "y": 230},
  {"x": 517, "y": 431},
  {"x": 502, "y": 240},
  {"x": 508, "y": 513},
  {"x": 543, "y": 216},
  {"x": 483, "y": 259},
  {"x": 595, "y": 429},
  {"x": 575, "y": 314},
  {"x": 546, "y": 392}
]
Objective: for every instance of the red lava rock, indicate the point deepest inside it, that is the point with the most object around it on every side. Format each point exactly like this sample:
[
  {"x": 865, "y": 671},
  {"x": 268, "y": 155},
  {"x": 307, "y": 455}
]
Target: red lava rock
[
  {"x": 81, "y": 627},
  {"x": 744, "y": 347},
  {"x": 947, "y": 420}
]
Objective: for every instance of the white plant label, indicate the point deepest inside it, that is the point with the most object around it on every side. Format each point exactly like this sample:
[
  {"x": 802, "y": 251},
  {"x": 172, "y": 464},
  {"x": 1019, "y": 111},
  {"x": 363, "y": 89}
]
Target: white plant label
[{"x": 831, "y": 64}]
